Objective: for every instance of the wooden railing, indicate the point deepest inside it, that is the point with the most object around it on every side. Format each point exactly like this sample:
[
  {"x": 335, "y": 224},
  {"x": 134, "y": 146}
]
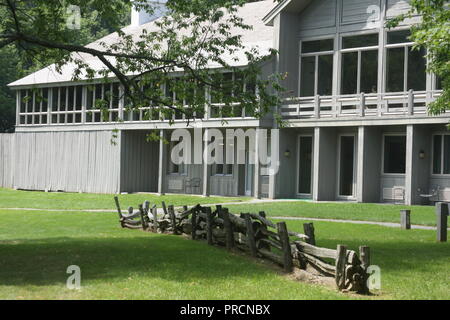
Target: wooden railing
[
  {"x": 409, "y": 103},
  {"x": 256, "y": 235}
]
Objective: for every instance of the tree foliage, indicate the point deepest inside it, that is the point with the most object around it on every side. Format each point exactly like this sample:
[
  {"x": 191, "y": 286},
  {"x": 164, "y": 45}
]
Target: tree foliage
[
  {"x": 196, "y": 41},
  {"x": 20, "y": 59},
  {"x": 433, "y": 34}
]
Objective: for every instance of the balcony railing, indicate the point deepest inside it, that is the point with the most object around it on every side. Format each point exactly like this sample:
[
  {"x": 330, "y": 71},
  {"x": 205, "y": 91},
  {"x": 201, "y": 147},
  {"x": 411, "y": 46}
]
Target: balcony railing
[{"x": 411, "y": 103}]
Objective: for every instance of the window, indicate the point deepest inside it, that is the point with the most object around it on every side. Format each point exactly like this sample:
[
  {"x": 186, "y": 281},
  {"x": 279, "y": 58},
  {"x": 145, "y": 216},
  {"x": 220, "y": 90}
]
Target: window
[
  {"x": 406, "y": 67},
  {"x": 316, "y": 68},
  {"x": 359, "y": 68},
  {"x": 222, "y": 169},
  {"x": 175, "y": 168},
  {"x": 441, "y": 154},
  {"x": 394, "y": 154}
]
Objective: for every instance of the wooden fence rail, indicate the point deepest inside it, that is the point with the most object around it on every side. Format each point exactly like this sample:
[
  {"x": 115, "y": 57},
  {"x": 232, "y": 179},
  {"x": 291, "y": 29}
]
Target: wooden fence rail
[{"x": 258, "y": 236}]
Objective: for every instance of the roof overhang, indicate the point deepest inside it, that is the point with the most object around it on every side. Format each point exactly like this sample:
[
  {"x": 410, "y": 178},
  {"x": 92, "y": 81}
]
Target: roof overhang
[{"x": 293, "y": 6}]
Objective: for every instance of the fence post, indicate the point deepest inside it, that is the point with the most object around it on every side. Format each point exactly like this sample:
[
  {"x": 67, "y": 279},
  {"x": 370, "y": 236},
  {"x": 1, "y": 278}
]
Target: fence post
[
  {"x": 209, "y": 226},
  {"x": 341, "y": 259},
  {"x": 143, "y": 222},
  {"x": 155, "y": 218},
  {"x": 228, "y": 228},
  {"x": 116, "y": 200},
  {"x": 163, "y": 205},
  {"x": 364, "y": 256},
  {"x": 441, "y": 223},
  {"x": 287, "y": 253},
  {"x": 194, "y": 224},
  {"x": 250, "y": 235},
  {"x": 309, "y": 231},
  {"x": 172, "y": 219},
  {"x": 405, "y": 219}
]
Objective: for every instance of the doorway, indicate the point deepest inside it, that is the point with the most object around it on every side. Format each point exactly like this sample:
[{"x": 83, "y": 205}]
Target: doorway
[
  {"x": 346, "y": 176},
  {"x": 305, "y": 152}
]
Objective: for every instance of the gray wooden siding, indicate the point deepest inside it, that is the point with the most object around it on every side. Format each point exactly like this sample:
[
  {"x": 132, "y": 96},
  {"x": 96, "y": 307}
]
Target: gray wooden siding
[
  {"x": 6, "y": 160},
  {"x": 396, "y": 7},
  {"x": 67, "y": 161},
  {"x": 139, "y": 162},
  {"x": 356, "y": 11},
  {"x": 319, "y": 14}
]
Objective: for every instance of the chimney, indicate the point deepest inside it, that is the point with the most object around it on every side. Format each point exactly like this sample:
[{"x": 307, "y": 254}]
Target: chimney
[{"x": 141, "y": 17}]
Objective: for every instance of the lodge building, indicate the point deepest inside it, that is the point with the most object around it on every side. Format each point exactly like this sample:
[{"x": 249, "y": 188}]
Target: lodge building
[{"x": 357, "y": 122}]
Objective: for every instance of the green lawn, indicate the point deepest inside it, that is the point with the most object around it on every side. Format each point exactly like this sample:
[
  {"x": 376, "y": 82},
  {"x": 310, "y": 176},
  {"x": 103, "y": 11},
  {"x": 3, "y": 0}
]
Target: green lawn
[
  {"x": 37, "y": 247},
  {"x": 422, "y": 215},
  {"x": 83, "y": 201}
]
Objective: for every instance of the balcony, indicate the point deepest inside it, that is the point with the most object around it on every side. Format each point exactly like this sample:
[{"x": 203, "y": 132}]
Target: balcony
[{"x": 357, "y": 106}]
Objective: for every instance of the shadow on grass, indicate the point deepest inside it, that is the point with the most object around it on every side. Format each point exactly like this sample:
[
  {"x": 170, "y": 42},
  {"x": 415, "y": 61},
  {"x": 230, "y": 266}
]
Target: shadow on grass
[{"x": 45, "y": 261}]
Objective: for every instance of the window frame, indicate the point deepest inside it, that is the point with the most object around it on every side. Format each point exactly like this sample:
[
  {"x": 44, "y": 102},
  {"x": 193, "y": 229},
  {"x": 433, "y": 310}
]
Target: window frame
[
  {"x": 442, "y": 174},
  {"x": 406, "y": 46},
  {"x": 316, "y": 55},
  {"x": 359, "y": 51}
]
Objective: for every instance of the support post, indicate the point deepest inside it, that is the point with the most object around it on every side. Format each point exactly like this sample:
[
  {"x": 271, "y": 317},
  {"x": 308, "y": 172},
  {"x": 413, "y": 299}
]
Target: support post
[
  {"x": 442, "y": 212},
  {"x": 155, "y": 219},
  {"x": 362, "y": 101},
  {"x": 317, "y": 107},
  {"x": 364, "y": 256},
  {"x": 228, "y": 229},
  {"x": 309, "y": 231},
  {"x": 206, "y": 166},
  {"x": 410, "y": 102},
  {"x": 257, "y": 165},
  {"x": 194, "y": 224},
  {"x": 341, "y": 259},
  {"x": 251, "y": 242},
  {"x": 162, "y": 162},
  {"x": 287, "y": 253},
  {"x": 405, "y": 219},
  {"x": 172, "y": 219},
  {"x": 209, "y": 226}
]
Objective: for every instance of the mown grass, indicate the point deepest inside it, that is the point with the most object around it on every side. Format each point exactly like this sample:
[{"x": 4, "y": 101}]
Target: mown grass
[
  {"x": 37, "y": 247},
  {"x": 421, "y": 215},
  {"x": 84, "y": 201},
  {"x": 413, "y": 265}
]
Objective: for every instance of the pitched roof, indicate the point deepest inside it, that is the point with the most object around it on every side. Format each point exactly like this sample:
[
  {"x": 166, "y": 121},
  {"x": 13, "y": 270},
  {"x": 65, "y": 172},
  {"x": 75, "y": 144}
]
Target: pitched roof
[{"x": 260, "y": 36}]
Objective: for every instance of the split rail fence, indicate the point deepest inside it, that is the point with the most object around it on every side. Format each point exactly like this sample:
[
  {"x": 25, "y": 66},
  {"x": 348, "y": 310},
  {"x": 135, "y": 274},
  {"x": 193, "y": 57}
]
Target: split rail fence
[{"x": 257, "y": 235}]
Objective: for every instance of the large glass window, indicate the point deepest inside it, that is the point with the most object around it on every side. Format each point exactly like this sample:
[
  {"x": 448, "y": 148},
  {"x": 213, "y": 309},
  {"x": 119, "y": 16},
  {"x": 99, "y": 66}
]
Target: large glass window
[
  {"x": 441, "y": 154},
  {"x": 359, "y": 68},
  {"x": 394, "y": 154},
  {"x": 316, "y": 68},
  {"x": 406, "y": 67}
]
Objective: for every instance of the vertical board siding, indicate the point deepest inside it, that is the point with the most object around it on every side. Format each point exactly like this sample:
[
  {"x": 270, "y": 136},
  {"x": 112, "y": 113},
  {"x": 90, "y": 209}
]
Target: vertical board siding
[
  {"x": 6, "y": 160},
  {"x": 66, "y": 161},
  {"x": 139, "y": 163}
]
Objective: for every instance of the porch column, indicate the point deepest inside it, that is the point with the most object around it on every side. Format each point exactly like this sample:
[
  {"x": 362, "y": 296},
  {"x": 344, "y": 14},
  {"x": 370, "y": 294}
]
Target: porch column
[
  {"x": 324, "y": 164},
  {"x": 316, "y": 167},
  {"x": 368, "y": 165},
  {"x": 410, "y": 151},
  {"x": 418, "y": 169},
  {"x": 275, "y": 141},
  {"x": 206, "y": 166},
  {"x": 162, "y": 162},
  {"x": 257, "y": 165},
  {"x": 360, "y": 165}
]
